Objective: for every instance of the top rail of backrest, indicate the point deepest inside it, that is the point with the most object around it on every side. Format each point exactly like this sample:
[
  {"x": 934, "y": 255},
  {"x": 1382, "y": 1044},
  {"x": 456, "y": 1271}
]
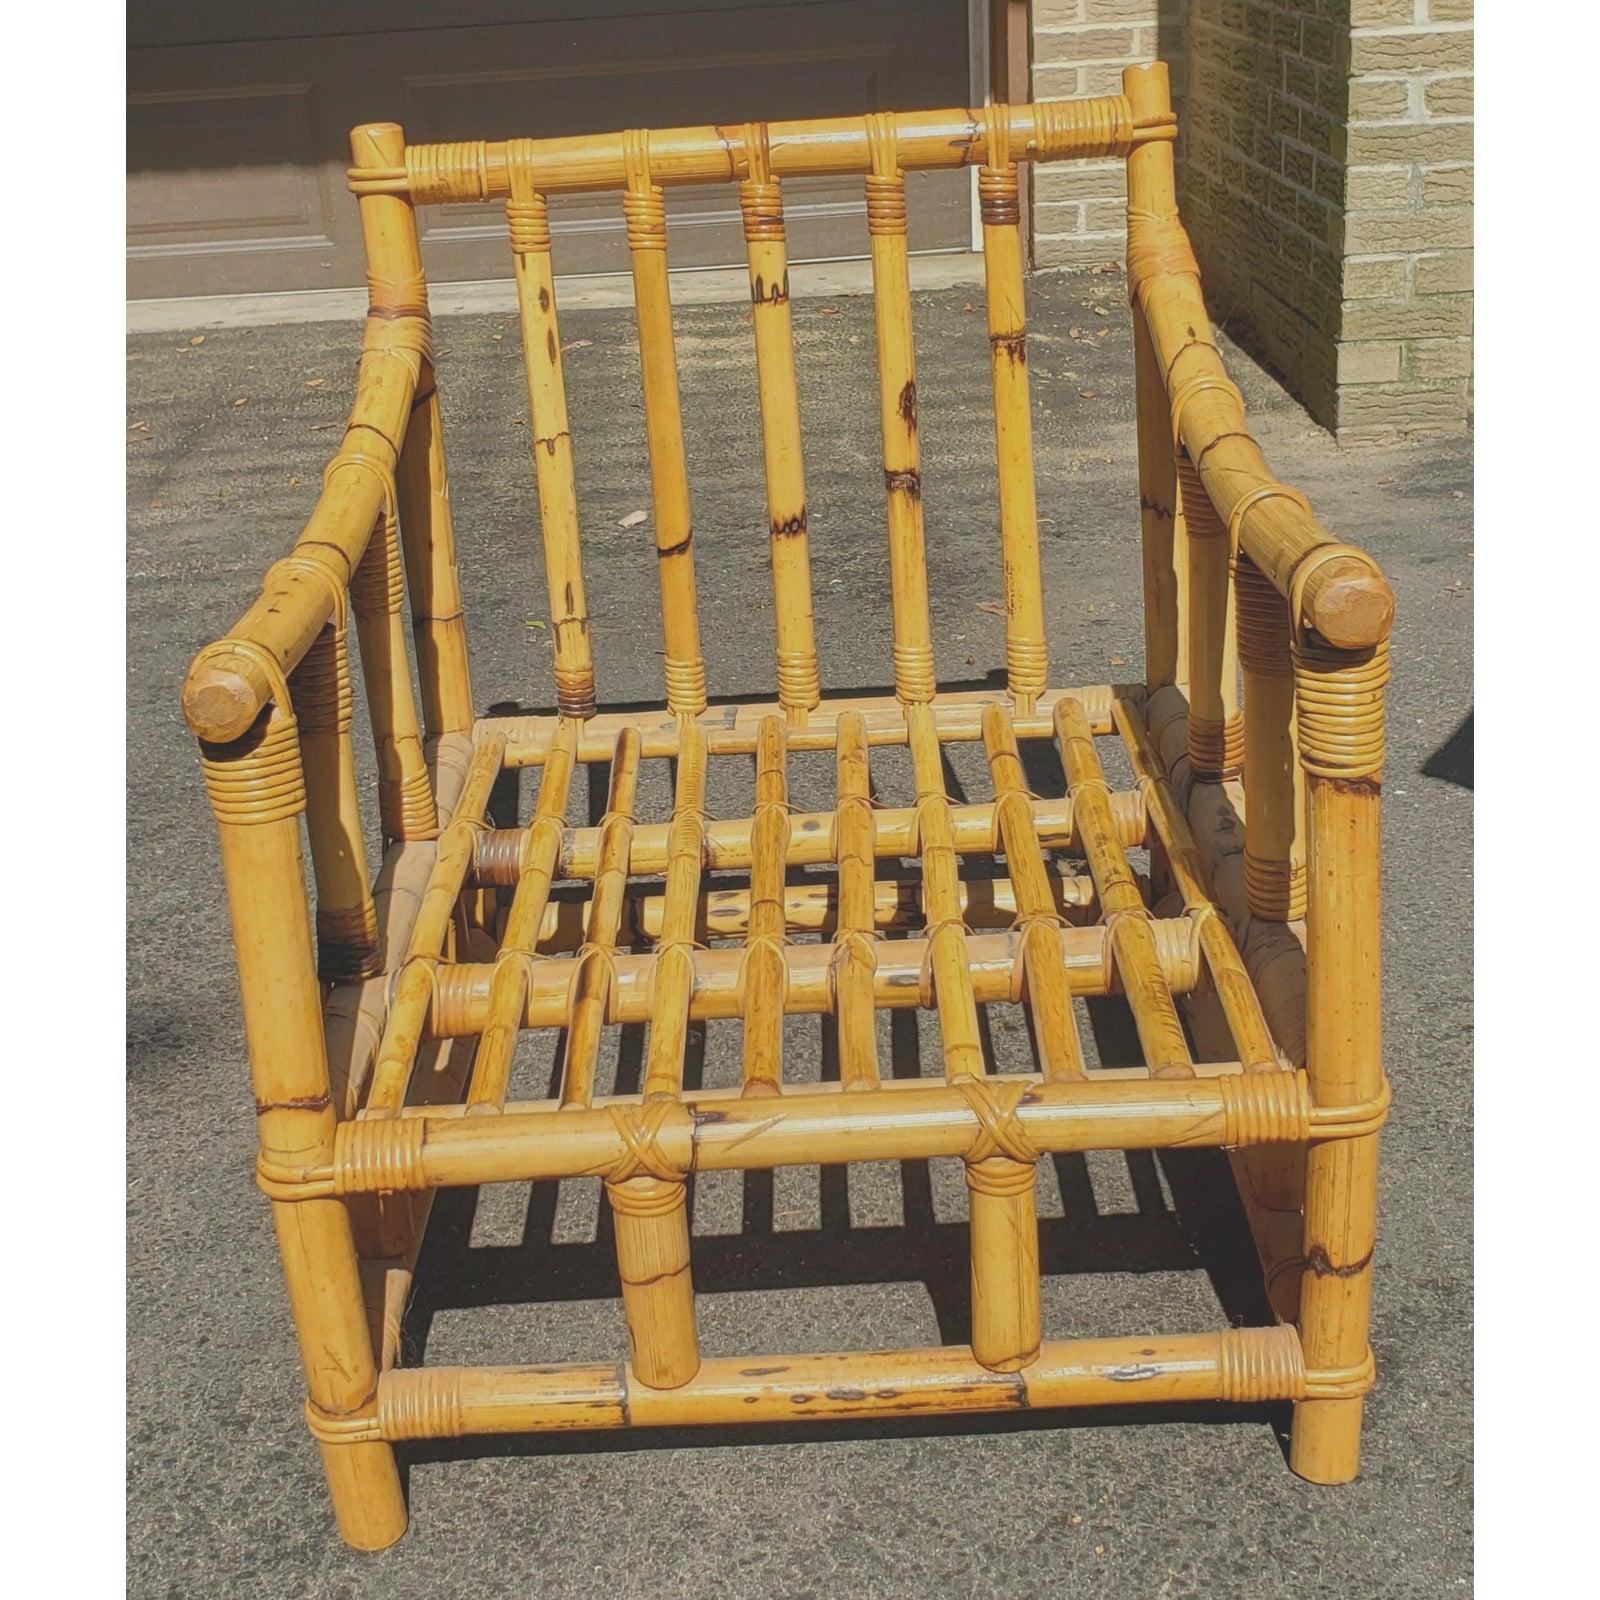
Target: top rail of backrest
[{"x": 926, "y": 141}]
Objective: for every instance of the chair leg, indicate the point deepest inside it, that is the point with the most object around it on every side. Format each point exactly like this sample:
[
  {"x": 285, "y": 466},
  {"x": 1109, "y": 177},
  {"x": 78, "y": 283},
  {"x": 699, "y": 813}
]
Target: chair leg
[{"x": 257, "y": 793}]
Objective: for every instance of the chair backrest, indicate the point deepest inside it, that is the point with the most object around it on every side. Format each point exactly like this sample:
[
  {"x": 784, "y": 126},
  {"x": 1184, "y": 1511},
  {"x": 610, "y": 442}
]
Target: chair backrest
[{"x": 641, "y": 165}]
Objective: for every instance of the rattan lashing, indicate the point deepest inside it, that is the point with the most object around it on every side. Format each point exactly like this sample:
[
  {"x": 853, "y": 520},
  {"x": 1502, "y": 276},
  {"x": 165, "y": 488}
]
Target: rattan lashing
[{"x": 1259, "y": 961}]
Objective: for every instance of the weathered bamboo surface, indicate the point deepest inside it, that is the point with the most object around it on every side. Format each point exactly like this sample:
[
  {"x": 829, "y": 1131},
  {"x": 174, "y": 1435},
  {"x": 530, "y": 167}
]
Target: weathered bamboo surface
[{"x": 384, "y": 1016}]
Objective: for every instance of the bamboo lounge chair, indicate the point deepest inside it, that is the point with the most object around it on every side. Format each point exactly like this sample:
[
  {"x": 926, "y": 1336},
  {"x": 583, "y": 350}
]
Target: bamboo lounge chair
[{"x": 381, "y": 1030}]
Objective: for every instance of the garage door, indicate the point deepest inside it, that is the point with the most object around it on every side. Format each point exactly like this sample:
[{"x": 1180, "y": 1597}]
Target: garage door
[{"x": 239, "y": 117}]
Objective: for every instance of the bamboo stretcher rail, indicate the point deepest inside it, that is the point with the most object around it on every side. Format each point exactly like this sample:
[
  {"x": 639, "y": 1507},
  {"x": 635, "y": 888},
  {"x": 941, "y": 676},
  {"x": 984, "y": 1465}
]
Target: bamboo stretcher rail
[
  {"x": 1236, "y": 1365},
  {"x": 968, "y": 1115},
  {"x": 1049, "y": 130},
  {"x": 732, "y": 729},
  {"x": 459, "y": 992},
  {"x": 813, "y": 837}
]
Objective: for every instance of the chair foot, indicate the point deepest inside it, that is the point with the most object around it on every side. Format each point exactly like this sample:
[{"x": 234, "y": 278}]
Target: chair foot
[
  {"x": 364, "y": 1484},
  {"x": 1325, "y": 1440}
]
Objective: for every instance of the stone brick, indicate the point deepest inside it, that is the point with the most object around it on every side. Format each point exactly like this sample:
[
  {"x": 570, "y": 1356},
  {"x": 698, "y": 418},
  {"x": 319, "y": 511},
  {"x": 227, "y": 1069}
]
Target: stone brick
[
  {"x": 1372, "y": 233},
  {"x": 1377, "y": 186},
  {"x": 1442, "y": 316},
  {"x": 1378, "y": 13},
  {"x": 1448, "y": 97},
  {"x": 1403, "y": 408},
  {"x": 1374, "y": 278},
  {"x": 1449, "y": 10},
  {"x": 1078, "y": 250},
  {"x": 1084, "y": 44},
  {"x": 1450, "y": 273},
  {"x": 1080, "y": 180},
  {"x": 1119, "y": 10},
  {"x": 1368, "y": 363},
  {"x": 1056, "y": 82},
  {"x": 1102, "y": 77},
  {"x": 1379, "y": 99},
  {"x": 1105, "y": 216},
  {"x": 1393, "y": 143},
  {"x": 1411, "y": 52},
  {"x": 1055, "y": 13},
  {"x": 1438, "y": 358},
  {"x": 1446, "y": 186}
]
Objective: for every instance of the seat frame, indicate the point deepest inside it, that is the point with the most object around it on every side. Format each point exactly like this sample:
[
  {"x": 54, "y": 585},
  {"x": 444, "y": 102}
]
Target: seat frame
[{"x": 381, "y": 1029}]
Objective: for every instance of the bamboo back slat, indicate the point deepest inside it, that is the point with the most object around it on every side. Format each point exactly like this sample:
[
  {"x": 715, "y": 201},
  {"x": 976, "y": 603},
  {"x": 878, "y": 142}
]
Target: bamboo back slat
[{"x": 1246, "y": 957}]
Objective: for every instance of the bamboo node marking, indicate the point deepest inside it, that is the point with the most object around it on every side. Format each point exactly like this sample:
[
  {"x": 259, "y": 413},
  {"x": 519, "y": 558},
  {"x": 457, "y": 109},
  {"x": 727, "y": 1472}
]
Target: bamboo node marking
[
  {"x": 1265, "y": 1108},
  {"x": 382, "y": 1156},
  {"x": 1000, "y": 1132},
  {"x": 1256, "y": 1364},
  {"x": 1263, "y": 620},
  {"x": 420, "y": 1403}
]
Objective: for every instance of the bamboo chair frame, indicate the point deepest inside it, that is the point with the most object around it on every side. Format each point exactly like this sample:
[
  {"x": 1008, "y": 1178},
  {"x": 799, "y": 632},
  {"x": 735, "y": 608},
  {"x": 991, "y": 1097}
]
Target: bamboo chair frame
[{"x": 381, "y": 1029}]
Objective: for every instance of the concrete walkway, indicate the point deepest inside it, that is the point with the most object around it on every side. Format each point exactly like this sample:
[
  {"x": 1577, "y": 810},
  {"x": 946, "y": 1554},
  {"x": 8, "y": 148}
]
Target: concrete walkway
[{"x": 227, "y": 439}]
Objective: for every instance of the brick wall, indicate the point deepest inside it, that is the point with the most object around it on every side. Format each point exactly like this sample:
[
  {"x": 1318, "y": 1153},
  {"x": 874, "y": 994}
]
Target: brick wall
[
  {"x": 1325, "y": 173},
  {"x": 1080, "y": 47}
]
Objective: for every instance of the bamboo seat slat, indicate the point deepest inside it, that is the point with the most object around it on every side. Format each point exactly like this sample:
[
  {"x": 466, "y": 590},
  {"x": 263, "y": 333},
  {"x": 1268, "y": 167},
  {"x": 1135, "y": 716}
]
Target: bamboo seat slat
[{"x": 384, "y": 1017}]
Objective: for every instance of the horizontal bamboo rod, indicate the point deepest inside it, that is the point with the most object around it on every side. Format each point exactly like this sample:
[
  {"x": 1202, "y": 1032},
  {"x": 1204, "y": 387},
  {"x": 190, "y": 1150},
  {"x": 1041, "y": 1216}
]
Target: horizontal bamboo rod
[
  {"x": 810, "y": 908},
  {"x": 832, "y": 146},
  {"x": 731, "y": 729},
  {"x": 670, "y": 1139},
  {"x": 811, "y": 838},
  {"x": 461, "y": 992},
  {"x": 1239, "y": 1365}
]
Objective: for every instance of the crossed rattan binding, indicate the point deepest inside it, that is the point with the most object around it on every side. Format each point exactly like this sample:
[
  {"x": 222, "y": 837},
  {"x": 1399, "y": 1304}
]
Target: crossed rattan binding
[{"x": 381, "y": 1050}]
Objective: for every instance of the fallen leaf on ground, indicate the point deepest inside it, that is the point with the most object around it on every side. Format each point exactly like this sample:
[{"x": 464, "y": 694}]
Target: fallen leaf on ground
[
  {"x": 134, "y": 427},
  {"x": 632, "y": 520},
  {"x": 993, "y": 607},
  {"x": 199, "y": 338},
  {"x": 1100, "y": 311},
  {"x": 315, "y": 383},
  {"x": 967, "y": 306},
  {"x": 294, "y": 483},
  {"x": 157, "y": 505},
  {"x": 1089, "y": 394},
  {"x": 830, "y": 311},
  {"x": 532, "y": 622},
  {"x": 243, "y": 400},
  {"x": 1115, "y": 661},
  {"x": 577, "y": 344}
]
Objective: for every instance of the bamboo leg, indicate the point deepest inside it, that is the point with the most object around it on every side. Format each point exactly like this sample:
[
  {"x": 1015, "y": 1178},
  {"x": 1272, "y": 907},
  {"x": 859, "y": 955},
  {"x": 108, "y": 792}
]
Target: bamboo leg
[
  {"x": 855, "y": 958},
  {"x": 645, "y": 211},
  {"x": 1006, "y": 1327},
  {"x": 257, "y": 794},
  {"x": 529, "y": 220},
  {"x": 347, "y": 920},
  {"x": 765, "y": 973},
  {"x": 1340, "y": 699},
  {"x": 897, "y": 396},
  {"x": 1216, "y": 729},
  {"x": 1165, "y": 556},
  {"x": 1027, "y": 662},
  {"x": 761, "y": 203},
  {"x": 1274, "y": 783},
  {"x": 427, "y": 533},
  {"x": 377, "y": 594}
]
